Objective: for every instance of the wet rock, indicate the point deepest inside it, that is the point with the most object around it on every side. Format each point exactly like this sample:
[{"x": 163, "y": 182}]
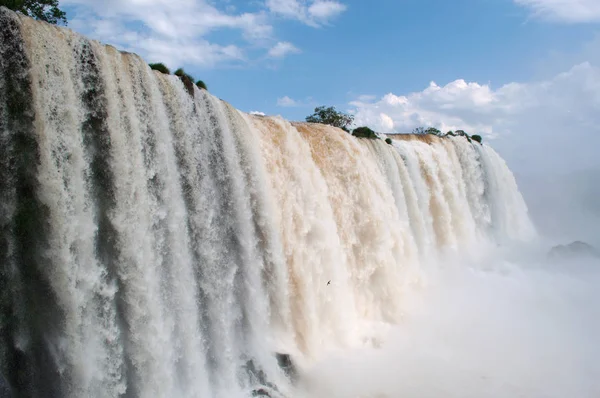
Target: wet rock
[
  {"x": 573, "y": 250},
  {"x": 261, "y": 392},
  {"x": 258, "y": 377},
  {"x": 287, "y": 365},
  {"x": 188, "y": 84},
  {"x": 255, "y": 375},
  {"x": 4, "y": 388}
]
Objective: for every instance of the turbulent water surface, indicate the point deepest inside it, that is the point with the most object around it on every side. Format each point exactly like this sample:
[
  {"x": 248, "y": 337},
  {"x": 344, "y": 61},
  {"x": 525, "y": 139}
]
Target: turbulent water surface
[{"x": 160, "y": 243}]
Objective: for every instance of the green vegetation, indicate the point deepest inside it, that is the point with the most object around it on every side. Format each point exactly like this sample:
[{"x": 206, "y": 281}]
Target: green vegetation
[
  {"x": 200, "y": 84},
  {"x": 434, "y": 131},
  {"x": 188, "y": 80},
  {"x": 364, "y": 132},
  {"x": 388, "y": 141},
  {"x": 330, "y": 116},
  {"x": 457, "y": 133},
  {"x": 43, "y": 10},
  {"x": 161, "y": 68},
  {"x": 181, "y": 73}
]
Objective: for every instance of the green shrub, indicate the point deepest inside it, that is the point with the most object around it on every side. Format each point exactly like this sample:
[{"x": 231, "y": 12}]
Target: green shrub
[
  {"x": 364, "y": 132},
  {"x": 434, "y": 131},
  {"x": 201, "y": 85},
  {"x": 476, "y": 137},
  {"x": 188, "y": 81},
  {"x": 388, "y": 141},
  {"x": 161, "y": 68},
  {"x": 181, "y": 73}
]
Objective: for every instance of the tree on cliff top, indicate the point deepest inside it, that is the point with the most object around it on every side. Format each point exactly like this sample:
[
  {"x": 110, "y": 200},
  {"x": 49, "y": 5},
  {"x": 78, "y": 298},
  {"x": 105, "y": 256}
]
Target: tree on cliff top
[
  {"x": 201, "y": 84},
  {"x": 44, "y": 10},
  {"x": 162, "y": 68},
  {"x": 329, "y": 115},
  {"x": 434, "y": 131}
]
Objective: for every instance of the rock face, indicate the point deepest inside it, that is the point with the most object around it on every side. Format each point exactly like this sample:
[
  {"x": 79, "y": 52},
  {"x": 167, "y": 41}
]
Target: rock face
[
  {"x": 259, "y": 378},
  {"x": 286, "y": 364},
  {"x": 261, "y": 392},
  {"x": 573, "y": 250},
  {"x": 4, "y": 388}
]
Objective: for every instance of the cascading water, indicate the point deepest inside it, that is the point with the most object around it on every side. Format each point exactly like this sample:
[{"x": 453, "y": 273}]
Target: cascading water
[{"x": 157, "y": 243}]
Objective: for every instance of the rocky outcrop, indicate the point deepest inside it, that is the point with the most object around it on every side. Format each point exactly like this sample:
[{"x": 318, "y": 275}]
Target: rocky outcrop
[
  {"x": 576, "y": 249},
  {"x": 258, "y": 378},
  {"x": 4, "y": 388},
  {"x": 287, "y": 365}
]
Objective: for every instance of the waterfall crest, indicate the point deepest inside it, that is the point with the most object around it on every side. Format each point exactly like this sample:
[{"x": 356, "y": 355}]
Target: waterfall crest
[{"x": 155, "y": 243}]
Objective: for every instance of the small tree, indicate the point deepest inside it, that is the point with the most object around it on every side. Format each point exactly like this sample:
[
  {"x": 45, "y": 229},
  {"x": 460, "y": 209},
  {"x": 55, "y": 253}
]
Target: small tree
[
  {"x": 181, "y": 73},
  {"x": 161, "y": 68},
  {"x": 330, "y": 116},
  {"x": 434, "y": 131},
  {"x": 364, "y": 132},
  {"x": 43, "y": 10},
  {"x": 419, "y": 130},
  {"x": 476, "y": 137},
  {"x": 201, "y": 85}
]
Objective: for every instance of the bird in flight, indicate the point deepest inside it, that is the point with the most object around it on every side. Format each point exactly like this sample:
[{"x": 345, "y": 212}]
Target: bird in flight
[{"x": 328, "y": 283}]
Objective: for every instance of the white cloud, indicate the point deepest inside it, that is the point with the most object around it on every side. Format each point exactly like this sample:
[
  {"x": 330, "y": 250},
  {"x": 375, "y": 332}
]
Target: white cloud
[
  {"x": 283, "y": 48},
  {"x": 287, "y": 102},
  {"x": 549, "y": 124},
  {"x": 170, "y": 31},
  {"x": 257, "y": 113},
  {"x": 324, "y": 10},
  {"x": 367, "y": 97},
  {"x": 572, "y": 11},
  {"x": 286, "y": 8},
  {"x": 386, "y": 122},
  {"x": 315, "y": 14},
  {"x": 176, "y": 31}
]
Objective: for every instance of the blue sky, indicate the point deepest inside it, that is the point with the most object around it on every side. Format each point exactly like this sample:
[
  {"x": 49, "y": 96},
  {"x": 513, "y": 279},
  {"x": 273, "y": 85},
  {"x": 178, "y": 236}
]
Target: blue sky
[{"x": 515, "y": 71}]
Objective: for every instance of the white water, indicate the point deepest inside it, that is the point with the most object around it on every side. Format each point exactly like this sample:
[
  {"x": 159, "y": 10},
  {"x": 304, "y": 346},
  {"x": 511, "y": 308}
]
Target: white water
[{"x": 176, "y": 241}]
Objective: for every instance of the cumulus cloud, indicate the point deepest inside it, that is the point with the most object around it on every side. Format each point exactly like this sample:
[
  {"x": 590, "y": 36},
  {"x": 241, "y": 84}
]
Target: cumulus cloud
[
  {"x": 571, "y": 11},
  {"x": 287, "y": 102},
  {"x": 324, "y": 10},
  {"x": 257, "y": 113},
  {"x": 535, "y": 124},
  {"x": 315, "y": 14},
  {"x": 283, "y": 48},
  {"x": 170, "y": 31},
  {"x": 176, "y": 32}
]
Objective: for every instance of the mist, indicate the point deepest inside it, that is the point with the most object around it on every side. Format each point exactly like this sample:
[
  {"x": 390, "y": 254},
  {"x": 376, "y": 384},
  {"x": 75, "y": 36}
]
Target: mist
[
  {"x": 564, "y": 206},
  {"x": 513, "y": 323}
]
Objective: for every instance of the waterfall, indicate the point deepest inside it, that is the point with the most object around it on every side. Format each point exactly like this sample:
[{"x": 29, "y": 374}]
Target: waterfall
[{"x": 157, "y": 243}]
